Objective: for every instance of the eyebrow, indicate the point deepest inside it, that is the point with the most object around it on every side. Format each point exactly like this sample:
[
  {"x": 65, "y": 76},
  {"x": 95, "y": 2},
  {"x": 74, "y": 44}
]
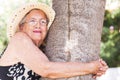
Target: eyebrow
[
  {"x": 32, "y": 18},
  {"x": 36, "y": 19}
]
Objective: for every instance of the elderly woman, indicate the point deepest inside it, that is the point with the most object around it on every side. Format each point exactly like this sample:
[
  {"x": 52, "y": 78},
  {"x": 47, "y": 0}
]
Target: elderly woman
[{"x": 23, "y": 60}]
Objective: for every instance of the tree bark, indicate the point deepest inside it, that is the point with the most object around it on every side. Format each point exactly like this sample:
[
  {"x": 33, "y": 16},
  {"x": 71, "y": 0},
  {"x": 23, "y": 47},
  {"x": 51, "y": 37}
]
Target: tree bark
[{"x": 75, "y": 35}]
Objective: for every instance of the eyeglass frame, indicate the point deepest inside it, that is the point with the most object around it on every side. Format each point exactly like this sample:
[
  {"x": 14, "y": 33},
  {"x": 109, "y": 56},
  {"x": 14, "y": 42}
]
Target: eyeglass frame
[{"x": 34, "y": 22}]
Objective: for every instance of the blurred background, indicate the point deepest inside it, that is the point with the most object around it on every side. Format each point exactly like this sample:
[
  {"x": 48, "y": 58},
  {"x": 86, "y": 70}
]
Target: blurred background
[{"x": 110, "y": 41}]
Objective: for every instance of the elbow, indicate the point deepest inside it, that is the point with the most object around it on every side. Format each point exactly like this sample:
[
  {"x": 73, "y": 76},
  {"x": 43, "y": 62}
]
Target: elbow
[
  {"x": 48, "y": 71},
  {"x": 53, "y": 75},
  {"x": 50, "y": 76},
  {"x": 47, "y": 74}
]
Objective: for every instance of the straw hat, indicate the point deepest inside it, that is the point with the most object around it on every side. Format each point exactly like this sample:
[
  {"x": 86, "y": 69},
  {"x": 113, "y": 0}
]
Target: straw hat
[{"x": 16, "y": 17}]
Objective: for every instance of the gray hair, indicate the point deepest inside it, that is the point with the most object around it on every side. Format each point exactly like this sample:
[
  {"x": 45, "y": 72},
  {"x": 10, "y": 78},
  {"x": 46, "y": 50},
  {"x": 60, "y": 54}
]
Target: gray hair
[{"x": 24, "y": 18}]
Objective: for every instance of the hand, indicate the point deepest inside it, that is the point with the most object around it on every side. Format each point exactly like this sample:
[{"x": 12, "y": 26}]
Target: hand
[
  {"x": 102, "y": 69},
  {"x": 95, "y": 66}
]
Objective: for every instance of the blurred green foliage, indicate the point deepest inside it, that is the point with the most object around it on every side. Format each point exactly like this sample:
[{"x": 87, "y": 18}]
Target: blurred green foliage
[{"x": 110, "y": 44}]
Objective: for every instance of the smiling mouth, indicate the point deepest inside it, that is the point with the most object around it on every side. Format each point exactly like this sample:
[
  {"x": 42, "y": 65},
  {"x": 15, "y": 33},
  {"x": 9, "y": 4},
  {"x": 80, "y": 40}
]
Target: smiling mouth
[{"x": 36, "y": 31}]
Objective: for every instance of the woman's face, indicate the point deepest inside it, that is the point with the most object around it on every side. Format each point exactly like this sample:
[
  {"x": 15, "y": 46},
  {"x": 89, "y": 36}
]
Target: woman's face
[{"x": 35, "y": 26}]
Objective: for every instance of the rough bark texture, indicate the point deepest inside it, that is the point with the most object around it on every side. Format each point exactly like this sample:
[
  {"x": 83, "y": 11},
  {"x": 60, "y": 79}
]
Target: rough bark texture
[{"x": 75, "y": 34}]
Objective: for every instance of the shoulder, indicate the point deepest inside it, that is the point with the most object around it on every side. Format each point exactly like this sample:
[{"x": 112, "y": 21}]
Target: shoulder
[
  {"x": 20, "y": 39},
  {"x": 20, "y": 36}
]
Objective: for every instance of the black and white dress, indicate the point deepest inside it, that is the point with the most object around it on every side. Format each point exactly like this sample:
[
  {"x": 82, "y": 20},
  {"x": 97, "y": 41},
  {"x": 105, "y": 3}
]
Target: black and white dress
[{"x": 17, "y": 71}]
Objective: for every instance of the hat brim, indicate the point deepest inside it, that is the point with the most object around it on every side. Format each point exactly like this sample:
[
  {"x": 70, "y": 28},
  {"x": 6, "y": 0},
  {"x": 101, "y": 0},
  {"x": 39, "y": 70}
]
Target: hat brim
[{"x": 17, "y": 16}]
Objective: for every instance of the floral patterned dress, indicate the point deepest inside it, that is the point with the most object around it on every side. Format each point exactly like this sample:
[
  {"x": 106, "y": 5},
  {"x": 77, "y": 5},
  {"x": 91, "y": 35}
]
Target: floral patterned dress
[{"x": 17, "y": 72}]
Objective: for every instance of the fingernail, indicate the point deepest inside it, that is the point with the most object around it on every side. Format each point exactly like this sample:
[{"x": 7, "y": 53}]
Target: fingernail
[{"x": 101, "y": 69}]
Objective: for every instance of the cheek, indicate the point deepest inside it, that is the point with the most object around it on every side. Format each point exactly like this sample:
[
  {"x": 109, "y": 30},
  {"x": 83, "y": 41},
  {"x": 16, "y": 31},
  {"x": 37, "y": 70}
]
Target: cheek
[
  {"x": 45, "y": 30},
  {"x": 28, "y": 30}
]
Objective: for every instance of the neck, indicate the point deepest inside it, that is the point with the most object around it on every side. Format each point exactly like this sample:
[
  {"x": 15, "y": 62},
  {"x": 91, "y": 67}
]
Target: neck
[{"x": 37, "y": 43}]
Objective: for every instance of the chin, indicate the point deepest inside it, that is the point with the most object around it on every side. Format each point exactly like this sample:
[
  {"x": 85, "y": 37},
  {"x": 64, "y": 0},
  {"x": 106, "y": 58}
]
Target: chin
[{"x": 36, "y": 39}]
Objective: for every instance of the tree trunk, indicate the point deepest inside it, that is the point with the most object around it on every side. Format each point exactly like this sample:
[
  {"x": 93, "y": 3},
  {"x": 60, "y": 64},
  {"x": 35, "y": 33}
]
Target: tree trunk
[{"x": 75, "y": 34}]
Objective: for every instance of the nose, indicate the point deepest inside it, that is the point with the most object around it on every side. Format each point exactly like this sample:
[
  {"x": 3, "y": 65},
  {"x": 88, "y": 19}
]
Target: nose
[{"x": 38, "y": 25}]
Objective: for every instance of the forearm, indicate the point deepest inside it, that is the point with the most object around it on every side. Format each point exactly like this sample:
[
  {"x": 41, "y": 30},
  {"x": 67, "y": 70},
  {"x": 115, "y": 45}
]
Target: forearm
[{"x": 67, "y": 69}]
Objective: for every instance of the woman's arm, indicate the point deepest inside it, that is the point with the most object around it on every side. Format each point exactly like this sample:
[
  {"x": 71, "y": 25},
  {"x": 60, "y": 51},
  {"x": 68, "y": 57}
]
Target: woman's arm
[{"x": 33, "y": 58}]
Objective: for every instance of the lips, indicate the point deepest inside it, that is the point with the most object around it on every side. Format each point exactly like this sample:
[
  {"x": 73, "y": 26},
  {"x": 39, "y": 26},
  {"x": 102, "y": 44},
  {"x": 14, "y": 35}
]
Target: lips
[{"x": 37, "y": 31}]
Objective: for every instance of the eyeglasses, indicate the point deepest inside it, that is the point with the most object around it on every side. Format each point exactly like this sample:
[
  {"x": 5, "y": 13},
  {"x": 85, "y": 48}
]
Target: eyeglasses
[{"x": 34, "y": 22}]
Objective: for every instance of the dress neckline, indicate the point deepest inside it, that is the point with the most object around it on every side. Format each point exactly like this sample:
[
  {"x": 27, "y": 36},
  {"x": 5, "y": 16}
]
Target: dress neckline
[{"x": 1, "y": 66}]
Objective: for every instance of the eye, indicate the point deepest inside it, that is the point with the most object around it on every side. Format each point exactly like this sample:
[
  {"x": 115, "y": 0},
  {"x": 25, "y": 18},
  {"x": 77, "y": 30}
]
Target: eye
[
  {"x": 32, "y": 22},
  {"x": 43, "y": 21}
]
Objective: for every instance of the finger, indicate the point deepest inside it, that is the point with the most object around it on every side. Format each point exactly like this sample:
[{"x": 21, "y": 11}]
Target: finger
[
  {"x": 94, "y": 76},
  {"x": 106, "y": 67},
  {"x": 103, "y": 68},
  {"x": 99, "y": 74},
  {"x": 103, "y": 63},
  {"x": 101, "y": 71}
]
